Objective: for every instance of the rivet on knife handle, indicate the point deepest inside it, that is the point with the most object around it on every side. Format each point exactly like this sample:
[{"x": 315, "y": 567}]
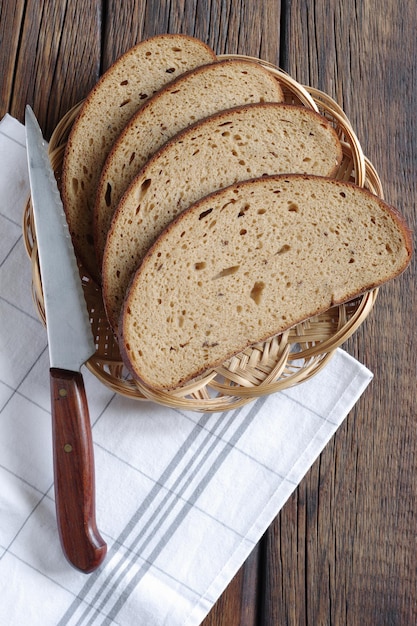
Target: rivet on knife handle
[{"x": 74, "y": 472}]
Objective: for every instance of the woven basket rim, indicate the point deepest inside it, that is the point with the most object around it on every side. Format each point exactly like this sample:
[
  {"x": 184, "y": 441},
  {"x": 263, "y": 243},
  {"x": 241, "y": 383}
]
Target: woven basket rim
[{"x": 281, "y": 362}]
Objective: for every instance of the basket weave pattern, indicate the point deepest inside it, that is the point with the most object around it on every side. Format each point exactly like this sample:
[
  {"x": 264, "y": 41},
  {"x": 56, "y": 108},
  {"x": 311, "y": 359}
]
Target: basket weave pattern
[{"x": 281, "y": 362}]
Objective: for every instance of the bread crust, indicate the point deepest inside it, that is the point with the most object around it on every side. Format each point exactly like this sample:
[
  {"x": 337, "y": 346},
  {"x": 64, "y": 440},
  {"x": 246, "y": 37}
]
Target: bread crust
[
  {"x": 194, "y": 95},
  {"x": 364, "y": 219},
  {"x": 120, "y": 91},
  {"x": 237, "y": 144}
]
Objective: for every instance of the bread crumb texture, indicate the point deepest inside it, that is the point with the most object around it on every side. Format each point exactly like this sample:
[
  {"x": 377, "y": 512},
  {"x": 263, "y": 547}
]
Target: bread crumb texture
[
  {"x": 193, "y": 96},
  {"x": 126, "y": 85},
  {"x": 238, "y": 144},
  {"x": 250, "y": 261}
]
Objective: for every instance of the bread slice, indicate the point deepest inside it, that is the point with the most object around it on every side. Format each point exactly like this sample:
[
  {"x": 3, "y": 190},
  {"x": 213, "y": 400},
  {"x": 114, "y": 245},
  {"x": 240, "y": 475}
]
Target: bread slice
[
  {"x": 240, "y": 143},
  {"x": 126, "y": 85},
  {"x": 250, "y": 261},
  {"x": 193, "y": 96}
]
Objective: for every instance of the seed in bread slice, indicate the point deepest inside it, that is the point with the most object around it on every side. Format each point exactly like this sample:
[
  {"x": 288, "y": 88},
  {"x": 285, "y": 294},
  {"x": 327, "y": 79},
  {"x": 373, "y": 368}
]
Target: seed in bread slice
[
  {"x": 250, "y": 261},
  {"x": 193, "y": 96},
  {"x": 237, "y": 144},
  {"x": 126, "y": 85}
]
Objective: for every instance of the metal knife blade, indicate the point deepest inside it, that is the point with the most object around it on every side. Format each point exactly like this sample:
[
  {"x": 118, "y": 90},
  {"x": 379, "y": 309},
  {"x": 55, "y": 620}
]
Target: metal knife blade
[{"x": 70, "y": 344}]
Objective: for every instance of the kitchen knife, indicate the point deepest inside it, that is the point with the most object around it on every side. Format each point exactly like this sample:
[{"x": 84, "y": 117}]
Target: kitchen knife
[{"x": 70, "y": 343}]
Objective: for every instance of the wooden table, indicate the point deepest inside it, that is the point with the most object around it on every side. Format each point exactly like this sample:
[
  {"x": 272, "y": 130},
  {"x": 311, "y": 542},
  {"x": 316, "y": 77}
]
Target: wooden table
[{"x": 343, "y": 549}]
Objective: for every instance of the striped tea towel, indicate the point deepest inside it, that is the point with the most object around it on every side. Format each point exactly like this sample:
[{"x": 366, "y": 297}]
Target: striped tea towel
[{"x": 182, "y": 497}]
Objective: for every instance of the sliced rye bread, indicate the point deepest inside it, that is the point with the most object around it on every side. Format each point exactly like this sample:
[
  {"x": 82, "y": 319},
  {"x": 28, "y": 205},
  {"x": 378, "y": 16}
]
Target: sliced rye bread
[
  {"x": 126, "y": 85},
  {"x": 193, "y": 96},
  {"x": 237, "y": 144},
  {"x": 250, "y": 261}
]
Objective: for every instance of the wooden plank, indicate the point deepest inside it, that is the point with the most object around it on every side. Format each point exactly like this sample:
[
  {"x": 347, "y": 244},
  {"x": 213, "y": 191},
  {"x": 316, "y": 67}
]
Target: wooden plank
[
  {"x": 11, "y": 15},
  {"x": 343, "y": 550},
  {"x": 236, "y": 27},
  {"x": 58, "y": 59},
  {"x": 238, "y": 606},
  {"x": 122, "y": 28}
]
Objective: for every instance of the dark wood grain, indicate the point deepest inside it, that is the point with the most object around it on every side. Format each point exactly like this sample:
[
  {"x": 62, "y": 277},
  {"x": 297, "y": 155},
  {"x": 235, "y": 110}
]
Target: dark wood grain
[
  {"x": 354, "y": 546},
  {"x": 11, "y": 16},
  {"x": 343, "y": 549},
  {"x": 228, "y": 27},
  {"x": 57, "y": 59}
]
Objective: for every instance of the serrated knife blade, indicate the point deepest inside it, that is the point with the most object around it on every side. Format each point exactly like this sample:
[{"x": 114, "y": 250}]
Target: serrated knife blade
[{"x": 70, "y": 344}]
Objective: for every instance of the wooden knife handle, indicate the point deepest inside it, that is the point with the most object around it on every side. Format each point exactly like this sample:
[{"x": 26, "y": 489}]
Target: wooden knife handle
[{"x": 74, "y": 471}]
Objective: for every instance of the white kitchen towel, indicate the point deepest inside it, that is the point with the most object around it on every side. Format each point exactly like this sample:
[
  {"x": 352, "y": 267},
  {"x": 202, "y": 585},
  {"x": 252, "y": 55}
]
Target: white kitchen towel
[{"x": 182, "y": 497}]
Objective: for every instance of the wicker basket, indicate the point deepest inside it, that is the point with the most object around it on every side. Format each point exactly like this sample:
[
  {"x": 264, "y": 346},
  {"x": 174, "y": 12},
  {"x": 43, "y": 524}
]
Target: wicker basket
[{"x": 281, "y": 362}]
